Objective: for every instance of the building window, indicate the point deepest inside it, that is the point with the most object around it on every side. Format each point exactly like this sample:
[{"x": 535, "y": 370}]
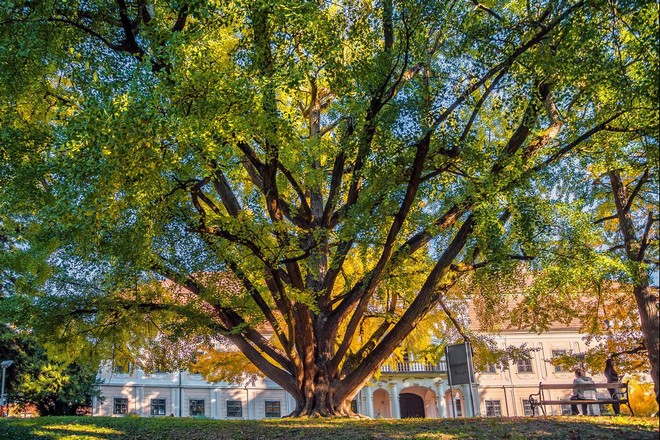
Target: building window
[
  {"x": 555, "y": 354},
  {"x": 120, "y": 405},
  {"x": 459, "y": 410},
  {"x": 157, "y": 407},
  {"x": 566, "y": 410},
  {"x": 491, "y": 369},
  {"x": 273, "y": 408},
  {"x": 527, "y": 409},
  {"x": 196, "y": 407},
  {"x": 354, "y": 407},
  {"x": 525, "y": 366},
  {"x": 122, "y": 368},
  {"x": 234, "y": 408},
  {"x": 493, "y": 408}
]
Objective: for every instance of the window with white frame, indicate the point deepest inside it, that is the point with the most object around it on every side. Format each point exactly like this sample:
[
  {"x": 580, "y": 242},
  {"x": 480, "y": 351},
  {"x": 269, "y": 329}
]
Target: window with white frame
[
  {"x": 527, "y": 408},
  {"x": 556, "y": 354},
  {"x": 525, "y": 366},
  {"x": 493, "y": 408},
  {"x": 234, "y": 408},
  {"x": 196, "y": 407},
  {"x": 120, "y": 405},
  {"x": 272, "y": 408},
  {"x": 158, "y": 407}
]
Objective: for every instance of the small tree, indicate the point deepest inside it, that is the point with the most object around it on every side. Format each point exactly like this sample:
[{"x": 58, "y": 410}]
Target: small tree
[{"x": 54, "y": 387}]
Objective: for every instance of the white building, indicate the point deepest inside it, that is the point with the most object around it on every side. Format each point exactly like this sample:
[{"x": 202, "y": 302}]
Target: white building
[{"x": 403, "y": 389}]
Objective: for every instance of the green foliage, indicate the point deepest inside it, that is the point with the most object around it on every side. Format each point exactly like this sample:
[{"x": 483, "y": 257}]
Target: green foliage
[
  {"x": 348, "y": 163},
  {"x": 54, "y": 386}
]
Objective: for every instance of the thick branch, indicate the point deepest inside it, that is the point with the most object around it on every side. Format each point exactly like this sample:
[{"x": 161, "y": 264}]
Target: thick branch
[
  {"x": 395, "y": 228},
  {"x": 416, "y": 311}
]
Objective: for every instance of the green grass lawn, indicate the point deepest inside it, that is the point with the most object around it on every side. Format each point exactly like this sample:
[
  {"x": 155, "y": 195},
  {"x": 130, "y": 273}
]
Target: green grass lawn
[{"x": 101, "y": 428}]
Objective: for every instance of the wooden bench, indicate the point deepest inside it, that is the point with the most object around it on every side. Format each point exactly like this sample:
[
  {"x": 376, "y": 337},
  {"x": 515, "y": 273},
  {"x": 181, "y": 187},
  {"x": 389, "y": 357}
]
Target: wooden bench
[{"x": 540, "y": 399}]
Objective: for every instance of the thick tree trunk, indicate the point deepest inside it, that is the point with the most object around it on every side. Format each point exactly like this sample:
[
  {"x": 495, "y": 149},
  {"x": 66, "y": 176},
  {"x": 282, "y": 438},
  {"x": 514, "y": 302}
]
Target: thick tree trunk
[
  {"x": 646, "y": 297},
  {"x": 317, "y": 397},
  {"x": 647, "y": 304}
]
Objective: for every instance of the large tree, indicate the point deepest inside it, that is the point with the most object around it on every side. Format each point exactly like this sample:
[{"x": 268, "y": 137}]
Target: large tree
[{"x": 346, "y": 162}]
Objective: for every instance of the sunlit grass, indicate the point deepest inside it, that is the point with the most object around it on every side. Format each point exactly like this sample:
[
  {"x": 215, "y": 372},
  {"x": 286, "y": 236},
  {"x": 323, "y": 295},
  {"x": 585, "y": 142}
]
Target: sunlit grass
[
  {"x": 84, "y": 429},
  {"x": 168, "y": 428}
]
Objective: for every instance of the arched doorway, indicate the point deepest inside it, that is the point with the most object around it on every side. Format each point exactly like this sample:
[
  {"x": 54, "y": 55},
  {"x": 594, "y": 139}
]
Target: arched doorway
[
  {"x": 409, "y": 402},
  {"x": 382, "y": 404},
  {"x": 411, "y": 405},
  {"x": 455, "y": 405}
]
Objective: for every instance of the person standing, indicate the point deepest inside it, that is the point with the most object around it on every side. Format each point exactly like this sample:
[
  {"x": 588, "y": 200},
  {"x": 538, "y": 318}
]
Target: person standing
[
  {"x": 580, "y": 380},
  {"x": 612, "y": 377}
]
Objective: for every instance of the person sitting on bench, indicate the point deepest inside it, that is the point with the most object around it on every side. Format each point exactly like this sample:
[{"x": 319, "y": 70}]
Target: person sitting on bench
[{"x": 581, "y": 378}]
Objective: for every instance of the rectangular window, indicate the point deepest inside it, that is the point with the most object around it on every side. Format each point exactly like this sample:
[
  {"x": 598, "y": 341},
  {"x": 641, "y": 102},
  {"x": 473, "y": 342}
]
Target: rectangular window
[
  {"x": 459, "y": 410},
  {"x": 525, "y": 366},
  {"x": 354, "y": 407},
  {"x": 120, "y": 405},
  {"x": 234, "y": 408},
  {"x": 527, "y": 409},
  {"x": 157, "y": 407},
  {"x": 558, "y": 353},
  {"x": 566, "y": 410},
  {"x": 491, "y": 369},
  {"x": 196, "y": 407},
  {"x": 122, "y": 368},
  {"x": 273, "y": 408},
  {"x": 493, "y": 408}
]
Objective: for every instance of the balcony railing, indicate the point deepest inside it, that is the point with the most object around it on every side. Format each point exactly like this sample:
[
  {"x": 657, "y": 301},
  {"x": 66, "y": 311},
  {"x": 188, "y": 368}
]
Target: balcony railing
[{"x": 414, "y": 367}]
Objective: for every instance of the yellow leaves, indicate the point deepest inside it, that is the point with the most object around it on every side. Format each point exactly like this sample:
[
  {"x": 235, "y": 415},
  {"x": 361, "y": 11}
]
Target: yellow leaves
[
  {"x": 217, "y": 366},
  {"x": 642, "y": 398}
]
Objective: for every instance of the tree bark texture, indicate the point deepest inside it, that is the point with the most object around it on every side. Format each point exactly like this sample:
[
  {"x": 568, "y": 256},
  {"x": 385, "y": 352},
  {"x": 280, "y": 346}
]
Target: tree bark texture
[{"x": 646, "y": 297}]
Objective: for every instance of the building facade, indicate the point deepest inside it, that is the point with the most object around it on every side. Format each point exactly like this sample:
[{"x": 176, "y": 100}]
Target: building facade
[
  {"x": 403, "y": 389},
  {"x": 506, "y": 392}
]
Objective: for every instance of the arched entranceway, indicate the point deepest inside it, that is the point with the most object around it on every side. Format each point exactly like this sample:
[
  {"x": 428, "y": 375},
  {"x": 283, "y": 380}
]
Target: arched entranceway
[
  {"x": 412, "y": 406},
  {"x": 418, "y": 401},
  {"x": 382, "y": 404}
]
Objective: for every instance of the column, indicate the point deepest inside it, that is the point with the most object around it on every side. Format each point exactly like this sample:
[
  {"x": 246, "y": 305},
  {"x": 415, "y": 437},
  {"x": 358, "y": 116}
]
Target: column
[
  {"x": 290, "y": 403},
  {"x": 213, "y": 408},
  {"x": 247, "y": 403},
  {"x": 221, "y": 396},
  {"x": 183, "y": 403},
  {"x": 394, "y": 401},
  {"x": 470, "y": 405},
  {"x": 175, "y": 400},
  {"x": 474, "y": 389},
  {"x": 139, "y": 397},
  {"x": 370, "y": 401},
  {"x": 541, "y": 363},
  {"x": 440, "y": 397}
]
